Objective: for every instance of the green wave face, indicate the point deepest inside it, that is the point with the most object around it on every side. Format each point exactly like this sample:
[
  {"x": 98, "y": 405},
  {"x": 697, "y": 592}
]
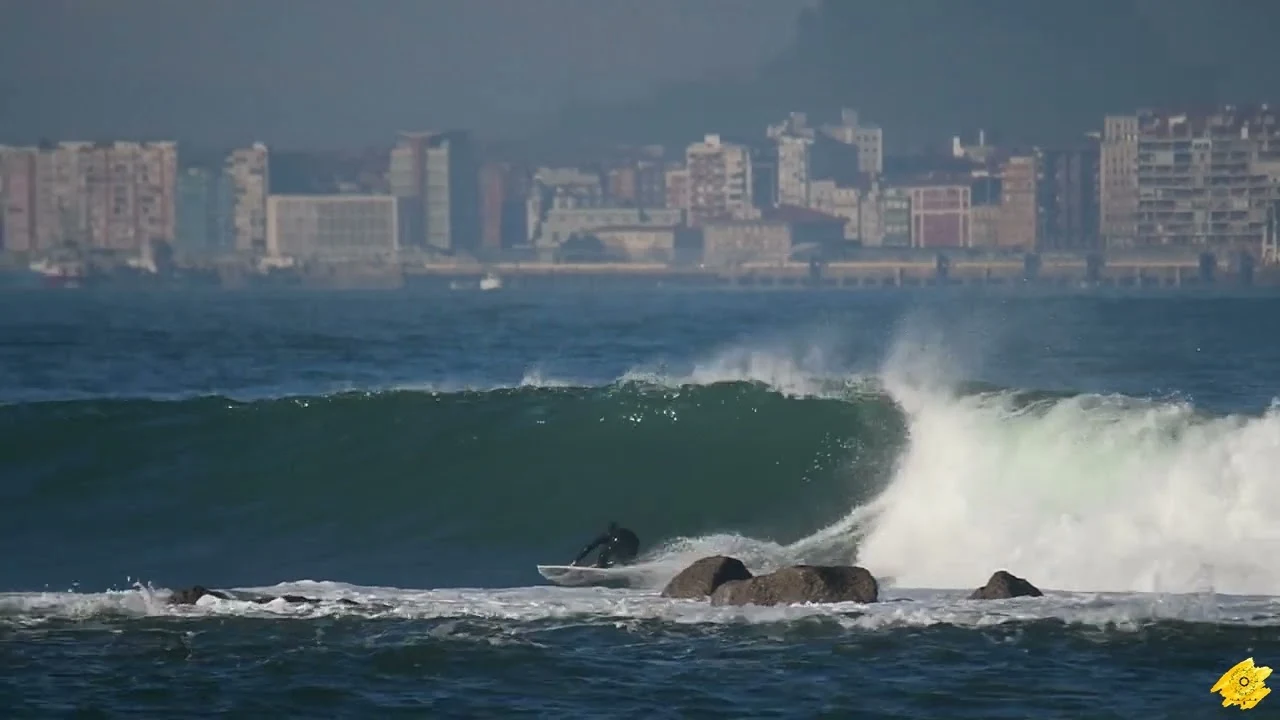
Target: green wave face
[{"x": 423, "y": 489}]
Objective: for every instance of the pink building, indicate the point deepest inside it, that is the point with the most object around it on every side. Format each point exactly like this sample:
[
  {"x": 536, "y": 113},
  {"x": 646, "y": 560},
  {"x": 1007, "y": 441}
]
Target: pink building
[
  {"x": 18, "y": 199},
  {"x": 941, "y": 214}
]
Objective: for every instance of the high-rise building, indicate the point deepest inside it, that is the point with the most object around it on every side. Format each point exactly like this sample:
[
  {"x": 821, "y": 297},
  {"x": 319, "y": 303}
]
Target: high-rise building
[
  {"x": 1018, "y": 220},
  {"x": 248, "y": 170},
  {"x": 436, "y": 175},
  {"x": 719, "y": 181},
  {"x": 118, "y": 197},
  {"x": 1118, "y": 183},
  {"x": 61, "y": 196},
  {"x": 453, "y": 193},
  {"x": 493, "y": 198},
  {"x": 764, "y": 174},
  {"x": 131, "y": 194},
  {"x": 1207, "y": 179},
  {"x": 1069, "y": 198},
  {"x": 503, "y": 192},
  {"x": 408, "y": 181},
  {"x": 793, "y": 170},
  {"x": 18, "y": 198},
  {"x": 205, "y": 211}
]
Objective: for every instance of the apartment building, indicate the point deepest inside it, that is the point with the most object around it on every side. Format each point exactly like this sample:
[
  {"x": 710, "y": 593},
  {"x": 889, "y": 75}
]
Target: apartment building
[
  {"x": 720, "y": 186},
  {"x": 118, "y": 197},
  {"x": 1118, "y": 181},
  {"x": 332, "y": 227},
  {"x": 1018, "y": 218},
  {"x": 18, "y": 198},
  {"x": 248, "y": 170},
  {"x": 1069, "y": 197},
  {"x": 1207, "y": 180},
  {"x": 793, "y": 170}
]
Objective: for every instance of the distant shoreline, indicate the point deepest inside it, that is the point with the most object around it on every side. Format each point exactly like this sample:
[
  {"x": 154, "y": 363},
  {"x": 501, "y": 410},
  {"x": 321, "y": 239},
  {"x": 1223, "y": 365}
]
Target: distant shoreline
[{"x": 1075, "y": 275}]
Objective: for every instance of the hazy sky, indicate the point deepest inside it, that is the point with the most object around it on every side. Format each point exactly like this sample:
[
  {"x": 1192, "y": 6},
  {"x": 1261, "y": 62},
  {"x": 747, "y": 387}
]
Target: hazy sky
[
  {"x": 348, "y": 72},
  {"x": 343, "y": 73}
]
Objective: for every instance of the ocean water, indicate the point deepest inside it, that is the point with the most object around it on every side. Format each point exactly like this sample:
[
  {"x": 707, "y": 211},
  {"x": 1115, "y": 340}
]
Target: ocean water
[{"x": 420, "y": 453}]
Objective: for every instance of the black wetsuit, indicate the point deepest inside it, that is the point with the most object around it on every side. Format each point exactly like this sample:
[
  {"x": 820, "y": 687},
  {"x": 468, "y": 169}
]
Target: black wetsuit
[{"x": 618, "y": 546}]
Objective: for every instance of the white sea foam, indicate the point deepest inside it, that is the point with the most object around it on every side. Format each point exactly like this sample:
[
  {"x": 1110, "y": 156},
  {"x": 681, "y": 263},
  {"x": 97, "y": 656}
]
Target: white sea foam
[
  {"x": 1087, "y": 493},
  {"x": 578, "y": 606}
]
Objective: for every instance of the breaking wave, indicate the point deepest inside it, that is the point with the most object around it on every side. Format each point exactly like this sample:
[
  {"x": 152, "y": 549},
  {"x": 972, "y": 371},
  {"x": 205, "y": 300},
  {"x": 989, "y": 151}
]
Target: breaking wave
[{"x": 927, "y": 481}]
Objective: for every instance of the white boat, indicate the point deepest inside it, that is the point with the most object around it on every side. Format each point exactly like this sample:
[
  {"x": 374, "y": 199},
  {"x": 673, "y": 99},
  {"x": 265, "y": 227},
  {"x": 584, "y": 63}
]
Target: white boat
[{"x": 490, "y": 282}]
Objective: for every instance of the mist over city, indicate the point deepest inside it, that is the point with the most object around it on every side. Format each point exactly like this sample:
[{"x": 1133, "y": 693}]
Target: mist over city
[{"x": 904, "y": 359}]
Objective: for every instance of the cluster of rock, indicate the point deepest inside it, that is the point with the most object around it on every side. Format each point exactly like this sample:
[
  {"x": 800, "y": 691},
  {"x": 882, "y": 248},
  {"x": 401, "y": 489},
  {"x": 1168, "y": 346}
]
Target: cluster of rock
[{"x": 726, "y": 581}]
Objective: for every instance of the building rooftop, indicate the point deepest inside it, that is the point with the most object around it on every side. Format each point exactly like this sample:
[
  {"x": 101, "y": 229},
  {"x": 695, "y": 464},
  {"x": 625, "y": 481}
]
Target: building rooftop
[
  {"x": 636, "y": 228},
  {"x": 937, "y": 178},
  {"x": 796, "y": 214},
  {"x": 1228, "y": 120}
]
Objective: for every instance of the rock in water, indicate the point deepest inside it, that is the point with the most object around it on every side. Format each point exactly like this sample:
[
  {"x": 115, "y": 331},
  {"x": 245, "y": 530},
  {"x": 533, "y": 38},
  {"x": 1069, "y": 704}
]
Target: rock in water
[
  {"x": 700, "y": 579},
  {"x": 191, "y": 595},
  {"x": 1005, "y": 585},
  {"x": 801, "y": 584}
]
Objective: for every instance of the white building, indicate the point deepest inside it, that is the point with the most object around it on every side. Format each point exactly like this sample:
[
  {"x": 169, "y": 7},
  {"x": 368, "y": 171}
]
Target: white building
[
  {"x": 793, "y": 170},
  {"x": 562, "y": 223},
  {"x": 719, "y": 181},
  {"x": 332, "y": 227}
]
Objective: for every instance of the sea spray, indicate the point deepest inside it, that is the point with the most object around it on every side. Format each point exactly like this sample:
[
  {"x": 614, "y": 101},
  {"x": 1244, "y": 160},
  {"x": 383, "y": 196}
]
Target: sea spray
[{"x": 1084, "y": 493}]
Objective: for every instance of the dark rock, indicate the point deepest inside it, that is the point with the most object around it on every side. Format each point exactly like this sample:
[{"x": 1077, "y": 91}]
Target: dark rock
[
  {"x": 700, "y": 579},
  {"x": 1005, "y": 585},
  {"x": 291, "y": 599},
  {"x": 801, "y": 584},
  {"x": 189, "y": 596}
]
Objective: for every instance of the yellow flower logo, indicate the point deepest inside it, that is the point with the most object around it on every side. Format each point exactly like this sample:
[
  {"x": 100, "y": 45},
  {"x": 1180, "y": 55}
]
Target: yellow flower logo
[{"x": 1243, "y": 685}]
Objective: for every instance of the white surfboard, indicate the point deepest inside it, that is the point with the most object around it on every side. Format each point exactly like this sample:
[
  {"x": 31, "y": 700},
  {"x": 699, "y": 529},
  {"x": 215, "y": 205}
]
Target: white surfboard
[{"x": 585, "y": 576}]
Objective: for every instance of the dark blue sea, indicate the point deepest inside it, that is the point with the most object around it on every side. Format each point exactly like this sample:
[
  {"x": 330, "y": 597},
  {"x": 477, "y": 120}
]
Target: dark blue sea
[{"x": 407, "y": 459}]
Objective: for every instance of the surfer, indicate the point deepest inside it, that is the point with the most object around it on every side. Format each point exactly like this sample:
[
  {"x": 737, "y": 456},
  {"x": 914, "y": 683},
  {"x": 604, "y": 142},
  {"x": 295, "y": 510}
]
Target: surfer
[{"x": 618, "y": 546}]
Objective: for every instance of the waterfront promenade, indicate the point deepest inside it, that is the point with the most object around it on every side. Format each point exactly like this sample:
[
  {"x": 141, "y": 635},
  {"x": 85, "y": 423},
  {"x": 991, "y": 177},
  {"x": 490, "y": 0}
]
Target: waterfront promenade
[{"x": 1094, "y": 270}]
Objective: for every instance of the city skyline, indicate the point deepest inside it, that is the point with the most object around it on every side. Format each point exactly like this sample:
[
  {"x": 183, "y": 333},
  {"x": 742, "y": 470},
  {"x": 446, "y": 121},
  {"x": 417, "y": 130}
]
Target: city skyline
[{"x": 1147, "y": 179}]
